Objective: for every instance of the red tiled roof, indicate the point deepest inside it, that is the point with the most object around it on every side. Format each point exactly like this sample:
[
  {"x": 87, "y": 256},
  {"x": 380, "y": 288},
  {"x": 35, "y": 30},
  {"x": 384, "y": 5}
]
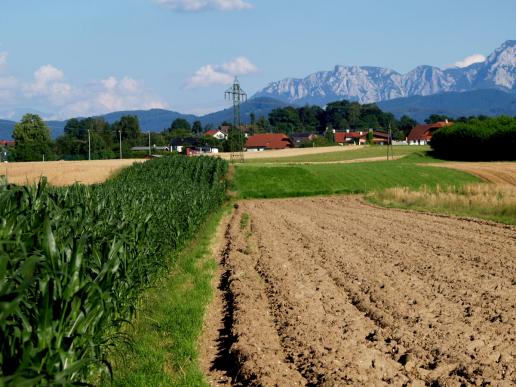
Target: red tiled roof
[
  {"x": 269, "y": 141},
  {"x": 212, "y": 132},
  {"x": 7, "y": 142},
  {"x": 424, "y": 132},
  {"x": 341, "y": 137}
]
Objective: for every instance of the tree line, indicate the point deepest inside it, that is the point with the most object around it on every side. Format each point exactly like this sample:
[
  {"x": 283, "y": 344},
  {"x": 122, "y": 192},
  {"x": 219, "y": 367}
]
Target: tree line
[{"x": 82, "y": 136}]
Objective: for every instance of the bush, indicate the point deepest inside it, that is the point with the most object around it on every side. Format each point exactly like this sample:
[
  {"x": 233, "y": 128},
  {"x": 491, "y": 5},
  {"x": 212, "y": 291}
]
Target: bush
[
  {"x": 74, "y": 261},
  {"x": 488, "y": 140}
]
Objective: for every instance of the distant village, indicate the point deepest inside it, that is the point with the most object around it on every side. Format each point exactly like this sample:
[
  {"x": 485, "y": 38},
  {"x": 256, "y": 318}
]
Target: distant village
[{"x": 259, "y": 142}]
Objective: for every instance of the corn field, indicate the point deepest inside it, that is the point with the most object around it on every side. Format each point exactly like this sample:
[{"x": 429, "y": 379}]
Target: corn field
[{"x": 74, "y": 261}]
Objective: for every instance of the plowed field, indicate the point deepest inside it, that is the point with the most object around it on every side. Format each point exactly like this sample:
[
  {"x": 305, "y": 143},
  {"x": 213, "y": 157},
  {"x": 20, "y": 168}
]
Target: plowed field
[{"x": 332, "y": 291}]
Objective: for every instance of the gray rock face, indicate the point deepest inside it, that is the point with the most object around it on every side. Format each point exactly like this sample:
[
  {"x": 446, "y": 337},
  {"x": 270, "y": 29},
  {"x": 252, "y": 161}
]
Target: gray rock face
[{"x": 367, "y": 84}]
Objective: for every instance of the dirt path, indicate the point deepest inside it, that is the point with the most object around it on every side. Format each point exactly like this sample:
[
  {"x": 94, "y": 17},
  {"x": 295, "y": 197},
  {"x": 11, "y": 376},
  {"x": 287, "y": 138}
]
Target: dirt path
[
  {"x": 494, "y": 172},
  {"x": 331, "y": 291},
  {"x": 290, "y": 152}
]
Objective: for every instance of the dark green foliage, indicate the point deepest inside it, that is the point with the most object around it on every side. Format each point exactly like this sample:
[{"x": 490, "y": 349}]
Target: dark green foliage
[
  {"x": 104, "y": 137},
  {"x": 73, "y": 261},
  {"x": 434, "y": 118},
  {"x": 338, "y": 115},
  {"x": 33, "y": 141},
  {"x": 180, "y": 124},
  {"x": 477, "y": 139}
]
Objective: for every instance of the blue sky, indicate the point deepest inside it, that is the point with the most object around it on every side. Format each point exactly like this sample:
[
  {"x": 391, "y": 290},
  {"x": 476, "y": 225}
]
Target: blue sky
[{"x": 68, "y": 58}]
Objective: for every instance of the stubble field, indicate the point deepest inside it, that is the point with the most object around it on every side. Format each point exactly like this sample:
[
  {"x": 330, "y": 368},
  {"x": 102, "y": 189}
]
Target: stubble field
[
  {"x": 62, "y": 173},
  {"x": 333, "y": 291}
]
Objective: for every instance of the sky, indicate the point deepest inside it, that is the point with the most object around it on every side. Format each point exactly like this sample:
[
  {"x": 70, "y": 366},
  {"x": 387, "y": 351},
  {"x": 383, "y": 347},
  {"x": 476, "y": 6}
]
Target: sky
[{"x": 69, "y": 58}]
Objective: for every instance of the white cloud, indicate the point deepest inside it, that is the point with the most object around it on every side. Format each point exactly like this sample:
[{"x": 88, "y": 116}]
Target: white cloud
[
  {"x": 3, "y": 58},
  {"x": 202, "y": 5},
  {"x": 48, "y": 82},
  {"x": 220, "y": 74},
  {"x": 476, "y": 58},
  {"x": 49, "y": 92}
]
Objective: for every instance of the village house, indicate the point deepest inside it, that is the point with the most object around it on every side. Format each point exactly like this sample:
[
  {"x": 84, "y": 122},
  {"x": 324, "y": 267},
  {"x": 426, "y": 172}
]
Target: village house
[
  {"x": 349, "y": 137},
  {"x": 422, "y": 134},
  {"x": 216, "y": 133},
  {"x": 261, "y": 142},
  {"x": 299, "y": 138}
]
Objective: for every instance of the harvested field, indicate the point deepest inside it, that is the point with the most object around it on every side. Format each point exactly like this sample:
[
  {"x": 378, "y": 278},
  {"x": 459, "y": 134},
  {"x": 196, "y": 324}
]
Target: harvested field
[
  {"x": 62, "y": 173},
  {"x": 332, "y": 291},
  {"x": 494, "y": 172},
  {"x": 292, "y": 152}
]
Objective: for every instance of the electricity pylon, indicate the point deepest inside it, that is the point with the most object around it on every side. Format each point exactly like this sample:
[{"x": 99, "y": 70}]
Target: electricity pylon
[{"x": 236, "y": 134}]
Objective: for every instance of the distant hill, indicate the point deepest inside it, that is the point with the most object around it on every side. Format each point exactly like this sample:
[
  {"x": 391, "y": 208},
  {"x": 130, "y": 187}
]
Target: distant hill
[
  {"x": 259, "y": 106},
  {"x": 156, "y": 120},
  {"x": 488, "y": 102},
  {"x": 6, "y": 128}
]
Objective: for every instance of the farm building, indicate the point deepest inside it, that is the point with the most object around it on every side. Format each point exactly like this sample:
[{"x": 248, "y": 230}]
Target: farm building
[
  {"x": 422, "y": 134},
  {"x": 261, "y": 142},
  {"x": 299, "y": 138},
  {"x": 349, "y": 137},
  {"x": 216, "y": 133}
]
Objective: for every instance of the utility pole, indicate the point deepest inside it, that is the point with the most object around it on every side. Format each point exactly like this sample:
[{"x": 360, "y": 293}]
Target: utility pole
[
  {"x": 390, "y": 150},
  {"x": 89, "y": 145},
  {"x": 149, "y": 144},
  {"x": 237, "y": 95},
  {"x": 120, "y": 138}
]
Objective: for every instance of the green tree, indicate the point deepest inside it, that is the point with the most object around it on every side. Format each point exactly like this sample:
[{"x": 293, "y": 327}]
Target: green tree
[
  {"x": 197, "y": 127},
  {"x": 33, "y": 141},
  {"x": 129, "y": 126},
  {"x": 180, "y": 124},
  {"x": 437, "y": 118}
]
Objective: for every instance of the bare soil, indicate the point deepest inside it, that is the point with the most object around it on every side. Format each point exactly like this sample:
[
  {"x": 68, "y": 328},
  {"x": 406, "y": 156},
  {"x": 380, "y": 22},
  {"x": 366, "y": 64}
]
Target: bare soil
[
  {"x": 333, "y": 291},
  {"x": 494, "y": 172},
  {"x": 62, "y": 173}
]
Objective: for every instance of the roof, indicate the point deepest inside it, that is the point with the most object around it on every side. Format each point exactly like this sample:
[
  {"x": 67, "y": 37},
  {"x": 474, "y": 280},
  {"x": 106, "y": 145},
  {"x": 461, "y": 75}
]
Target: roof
[
  {"x": 424, "y": 132},
  {"x": 213, "y": 132},
  {"x": 8, "y": 142},
  {"x": 187, "y": 141},
  {"x": 343, "y": 136},
  {"x": 269, "y": 141}
]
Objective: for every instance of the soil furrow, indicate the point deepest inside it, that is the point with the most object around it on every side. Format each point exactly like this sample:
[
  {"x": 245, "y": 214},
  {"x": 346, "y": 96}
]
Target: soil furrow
[{"x": 331, "y": 291}]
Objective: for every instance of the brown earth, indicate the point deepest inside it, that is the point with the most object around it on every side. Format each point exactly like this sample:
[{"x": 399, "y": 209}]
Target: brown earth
[
  {"x": 494, "y": 172},
  {"x": 332, "y": 291},
  {"x": 61, "y": 173}
]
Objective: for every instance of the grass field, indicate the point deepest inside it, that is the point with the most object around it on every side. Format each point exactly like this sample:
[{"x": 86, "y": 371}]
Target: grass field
[
  {"x": 269, "y": 181},
  {"x": 62, "y": 173},
  {"x": 354, "y": 153}
]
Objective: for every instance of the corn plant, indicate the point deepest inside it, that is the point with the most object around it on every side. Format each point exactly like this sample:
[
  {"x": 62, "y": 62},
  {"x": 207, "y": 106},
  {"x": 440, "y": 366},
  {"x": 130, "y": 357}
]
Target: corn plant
[{"x": 74, "y": 261}]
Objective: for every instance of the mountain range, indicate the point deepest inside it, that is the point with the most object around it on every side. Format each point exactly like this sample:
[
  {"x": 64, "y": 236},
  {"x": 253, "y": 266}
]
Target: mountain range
[
  {"x": 487, "y": 88},
  {"x": 367, "y": 84}
]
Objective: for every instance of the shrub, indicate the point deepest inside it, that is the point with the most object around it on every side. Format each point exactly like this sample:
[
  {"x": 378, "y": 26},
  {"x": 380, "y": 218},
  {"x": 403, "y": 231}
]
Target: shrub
[{"x": 489, "y": 139}]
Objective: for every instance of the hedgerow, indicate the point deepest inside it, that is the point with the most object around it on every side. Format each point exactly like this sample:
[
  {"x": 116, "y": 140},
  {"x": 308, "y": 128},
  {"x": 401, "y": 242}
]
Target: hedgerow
[
  {"x": 487, "y": 139},
  {"x": 74, "y": 261}
]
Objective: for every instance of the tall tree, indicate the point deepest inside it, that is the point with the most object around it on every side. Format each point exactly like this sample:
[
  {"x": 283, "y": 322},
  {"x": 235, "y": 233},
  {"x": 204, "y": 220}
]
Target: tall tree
[
  {"x": 197, "y": 127},
  {"x": 33, "y": 141},
  {"x": 180, "y": 124}
]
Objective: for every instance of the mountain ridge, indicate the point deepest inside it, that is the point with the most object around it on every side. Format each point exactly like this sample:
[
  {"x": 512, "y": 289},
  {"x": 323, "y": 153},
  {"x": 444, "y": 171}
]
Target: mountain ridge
[{"x": 367, "y": 84}]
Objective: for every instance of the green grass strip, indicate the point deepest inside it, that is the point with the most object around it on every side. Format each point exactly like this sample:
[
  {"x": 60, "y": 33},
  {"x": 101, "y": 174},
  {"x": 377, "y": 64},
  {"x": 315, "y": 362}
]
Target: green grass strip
[
  {"x": 326, "y": 179},
  {"x": 362, "y": 152},
  {"x": 165, "y": 334}
]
